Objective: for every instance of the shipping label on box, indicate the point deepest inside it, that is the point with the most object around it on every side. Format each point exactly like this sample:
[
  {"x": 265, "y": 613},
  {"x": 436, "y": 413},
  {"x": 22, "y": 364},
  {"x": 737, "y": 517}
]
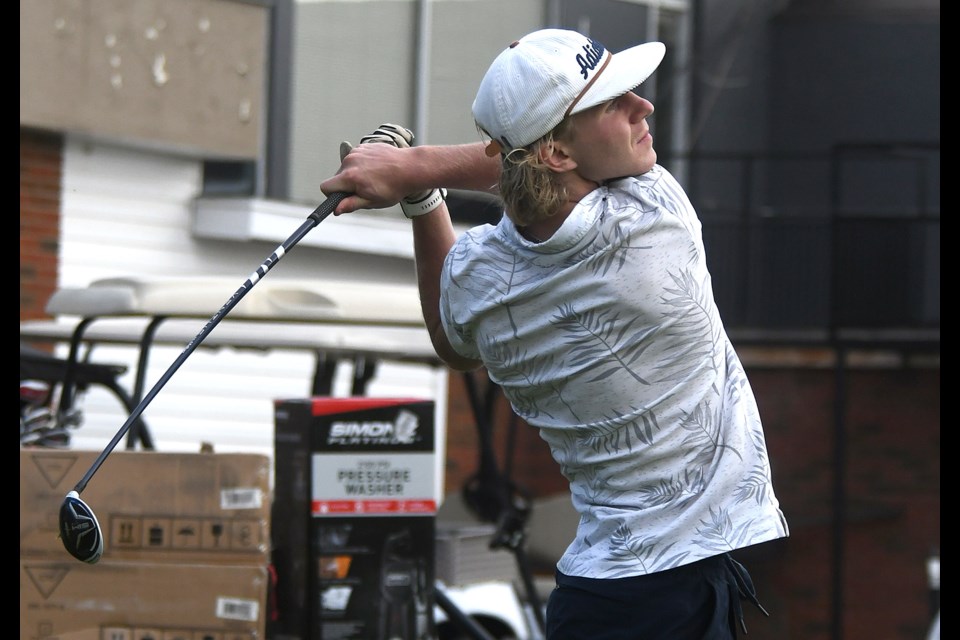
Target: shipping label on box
[
  {"x": 178, "y": 507},
  {"x": 141, "y": 601}
]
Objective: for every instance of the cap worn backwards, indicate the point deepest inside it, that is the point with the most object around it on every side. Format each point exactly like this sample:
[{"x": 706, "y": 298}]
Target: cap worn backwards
[{"x": 550, "y": 74}]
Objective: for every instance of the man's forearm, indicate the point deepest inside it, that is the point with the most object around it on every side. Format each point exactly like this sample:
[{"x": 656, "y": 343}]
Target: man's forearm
[
  {"x": 464, "y": 166},
  {"x": 380, "y": 175},
  {"x": 433, "y": 235}
]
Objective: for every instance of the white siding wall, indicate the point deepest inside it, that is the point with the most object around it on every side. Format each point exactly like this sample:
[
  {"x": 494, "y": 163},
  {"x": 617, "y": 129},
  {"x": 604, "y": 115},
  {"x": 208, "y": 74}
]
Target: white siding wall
[{"x": 127, "y": 212}]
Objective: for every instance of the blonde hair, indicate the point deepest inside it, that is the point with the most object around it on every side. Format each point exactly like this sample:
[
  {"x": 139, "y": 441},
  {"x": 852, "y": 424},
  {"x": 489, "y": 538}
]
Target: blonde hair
[{"x": 530, "y": 190}]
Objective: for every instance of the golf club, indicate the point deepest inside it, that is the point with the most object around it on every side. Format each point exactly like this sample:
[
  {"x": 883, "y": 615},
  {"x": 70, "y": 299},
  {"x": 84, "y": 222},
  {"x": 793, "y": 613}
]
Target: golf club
[{"x": 79, "y": 529}]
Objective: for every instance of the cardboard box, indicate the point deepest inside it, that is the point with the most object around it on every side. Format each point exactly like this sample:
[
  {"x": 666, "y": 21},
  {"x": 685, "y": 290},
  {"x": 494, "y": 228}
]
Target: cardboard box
[
  {"x": 153, "y": 507},
  {"x": 354, "y": 519},
  {"x": 71, "y": 600},
  {"x": 464, "y": 556}
]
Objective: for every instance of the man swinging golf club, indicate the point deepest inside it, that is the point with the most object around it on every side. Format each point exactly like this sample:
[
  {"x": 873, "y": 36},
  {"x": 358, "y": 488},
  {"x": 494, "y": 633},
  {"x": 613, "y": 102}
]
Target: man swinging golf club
[{"x": 590, "y": 305}]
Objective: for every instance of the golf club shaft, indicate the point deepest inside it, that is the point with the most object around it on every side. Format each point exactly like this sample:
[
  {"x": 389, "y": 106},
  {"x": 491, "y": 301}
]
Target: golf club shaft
[{"x": 321, "y": 212}]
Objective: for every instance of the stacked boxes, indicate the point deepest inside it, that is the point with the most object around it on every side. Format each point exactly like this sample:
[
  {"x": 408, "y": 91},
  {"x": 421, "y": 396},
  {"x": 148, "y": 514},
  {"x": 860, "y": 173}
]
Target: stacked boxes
[{"x": 186, "y": 547}]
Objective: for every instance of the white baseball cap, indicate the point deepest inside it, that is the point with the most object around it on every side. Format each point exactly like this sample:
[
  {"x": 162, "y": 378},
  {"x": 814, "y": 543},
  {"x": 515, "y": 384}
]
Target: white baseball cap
[{"x": 550, "y": 74}]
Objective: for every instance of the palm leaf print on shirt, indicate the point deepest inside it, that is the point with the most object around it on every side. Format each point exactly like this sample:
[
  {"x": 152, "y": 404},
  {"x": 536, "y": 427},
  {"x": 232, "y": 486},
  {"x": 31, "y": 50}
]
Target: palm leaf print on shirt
[
  {"x": 674, "y": 490},
  {"x": 606, "y": 434},
  {"x": 598, "y": 336},
  {"x": 754, "y": 486},
  {"x": 632, "y": 549},
  {"x": 615, "y": 243},
  {"x": 719, "y": 534},
  {"x": 492, "y": 282},
  {"x": 519, "y": 375},
  {"x": 599, "y": 339},
  {"x": 689, "y": 311},
  {"x": 703, "y": 431}
]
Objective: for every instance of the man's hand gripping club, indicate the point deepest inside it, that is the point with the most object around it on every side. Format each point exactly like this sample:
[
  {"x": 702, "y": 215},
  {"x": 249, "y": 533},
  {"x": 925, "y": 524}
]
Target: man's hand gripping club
[{"x": 366, "y": 194}]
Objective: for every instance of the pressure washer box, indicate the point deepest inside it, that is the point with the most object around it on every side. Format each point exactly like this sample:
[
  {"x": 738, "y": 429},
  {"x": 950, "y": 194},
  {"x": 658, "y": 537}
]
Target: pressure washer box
[
  {"x": 353, "y": 527},
  {"x": 152, "y": 507},
  {"x": 114, "y": 600}
]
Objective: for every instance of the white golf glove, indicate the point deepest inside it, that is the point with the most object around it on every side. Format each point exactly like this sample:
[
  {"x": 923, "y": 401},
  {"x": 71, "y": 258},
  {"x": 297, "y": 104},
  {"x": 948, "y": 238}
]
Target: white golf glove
[{"x": 416, "y": 204}]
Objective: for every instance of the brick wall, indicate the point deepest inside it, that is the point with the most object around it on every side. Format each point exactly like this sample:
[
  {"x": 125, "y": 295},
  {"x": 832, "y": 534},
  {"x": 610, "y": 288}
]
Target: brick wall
[
  {"x": 889, "y": 443},
  {"x": 40, "y": 165}
]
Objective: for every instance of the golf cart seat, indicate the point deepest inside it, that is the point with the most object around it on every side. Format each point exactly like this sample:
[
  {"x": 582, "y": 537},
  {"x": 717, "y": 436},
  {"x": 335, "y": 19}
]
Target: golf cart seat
[{"x": 36, "y": 364}]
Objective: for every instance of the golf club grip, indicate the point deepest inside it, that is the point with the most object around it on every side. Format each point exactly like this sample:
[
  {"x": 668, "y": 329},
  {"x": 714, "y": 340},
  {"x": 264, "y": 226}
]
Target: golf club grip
[
  {"x": 327, "y": 206},
  {"x": 320, "y": 213}
]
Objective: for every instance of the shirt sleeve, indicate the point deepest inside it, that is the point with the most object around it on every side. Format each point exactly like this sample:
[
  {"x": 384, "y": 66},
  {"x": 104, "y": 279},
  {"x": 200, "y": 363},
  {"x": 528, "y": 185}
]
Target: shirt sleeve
[{"x": 457, "y": 329}]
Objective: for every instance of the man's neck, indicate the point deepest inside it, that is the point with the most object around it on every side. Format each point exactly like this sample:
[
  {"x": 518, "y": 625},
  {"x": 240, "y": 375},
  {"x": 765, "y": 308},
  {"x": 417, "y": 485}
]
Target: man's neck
[{"x": 577, "y": 189}]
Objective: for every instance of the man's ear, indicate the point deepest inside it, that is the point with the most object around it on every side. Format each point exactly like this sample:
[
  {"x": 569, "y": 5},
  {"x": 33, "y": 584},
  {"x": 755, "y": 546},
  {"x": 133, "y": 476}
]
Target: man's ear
[{"x": 554, "y": 156}]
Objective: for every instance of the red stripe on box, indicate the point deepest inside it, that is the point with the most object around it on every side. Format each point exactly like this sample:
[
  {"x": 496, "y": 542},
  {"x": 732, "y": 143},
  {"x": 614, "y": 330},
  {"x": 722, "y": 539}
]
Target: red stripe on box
[{"x": 372, "y": 507}]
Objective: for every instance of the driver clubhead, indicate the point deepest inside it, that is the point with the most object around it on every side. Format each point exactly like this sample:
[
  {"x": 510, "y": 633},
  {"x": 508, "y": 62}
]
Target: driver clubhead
[{"x": 79, "y": 529}]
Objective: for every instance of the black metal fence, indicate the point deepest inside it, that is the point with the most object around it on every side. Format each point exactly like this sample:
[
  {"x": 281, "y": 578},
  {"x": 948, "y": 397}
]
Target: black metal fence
[
  {"x": 816, "y": 248},
  {"x": 824, "y": 245}
]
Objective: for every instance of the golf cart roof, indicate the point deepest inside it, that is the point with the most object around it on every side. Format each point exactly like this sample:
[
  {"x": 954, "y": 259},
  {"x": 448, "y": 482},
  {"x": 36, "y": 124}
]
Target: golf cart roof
[
  {"x": 271, "y": 299},
  {"x": 333, "y": 316}
]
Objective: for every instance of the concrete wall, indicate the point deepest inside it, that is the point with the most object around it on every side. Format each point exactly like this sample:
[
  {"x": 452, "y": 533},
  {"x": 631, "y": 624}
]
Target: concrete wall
[{"x": 179, "y": 74}]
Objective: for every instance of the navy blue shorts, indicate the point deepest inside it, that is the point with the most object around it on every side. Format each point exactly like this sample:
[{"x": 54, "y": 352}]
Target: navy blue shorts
[{"x": 698, "y": 601}]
